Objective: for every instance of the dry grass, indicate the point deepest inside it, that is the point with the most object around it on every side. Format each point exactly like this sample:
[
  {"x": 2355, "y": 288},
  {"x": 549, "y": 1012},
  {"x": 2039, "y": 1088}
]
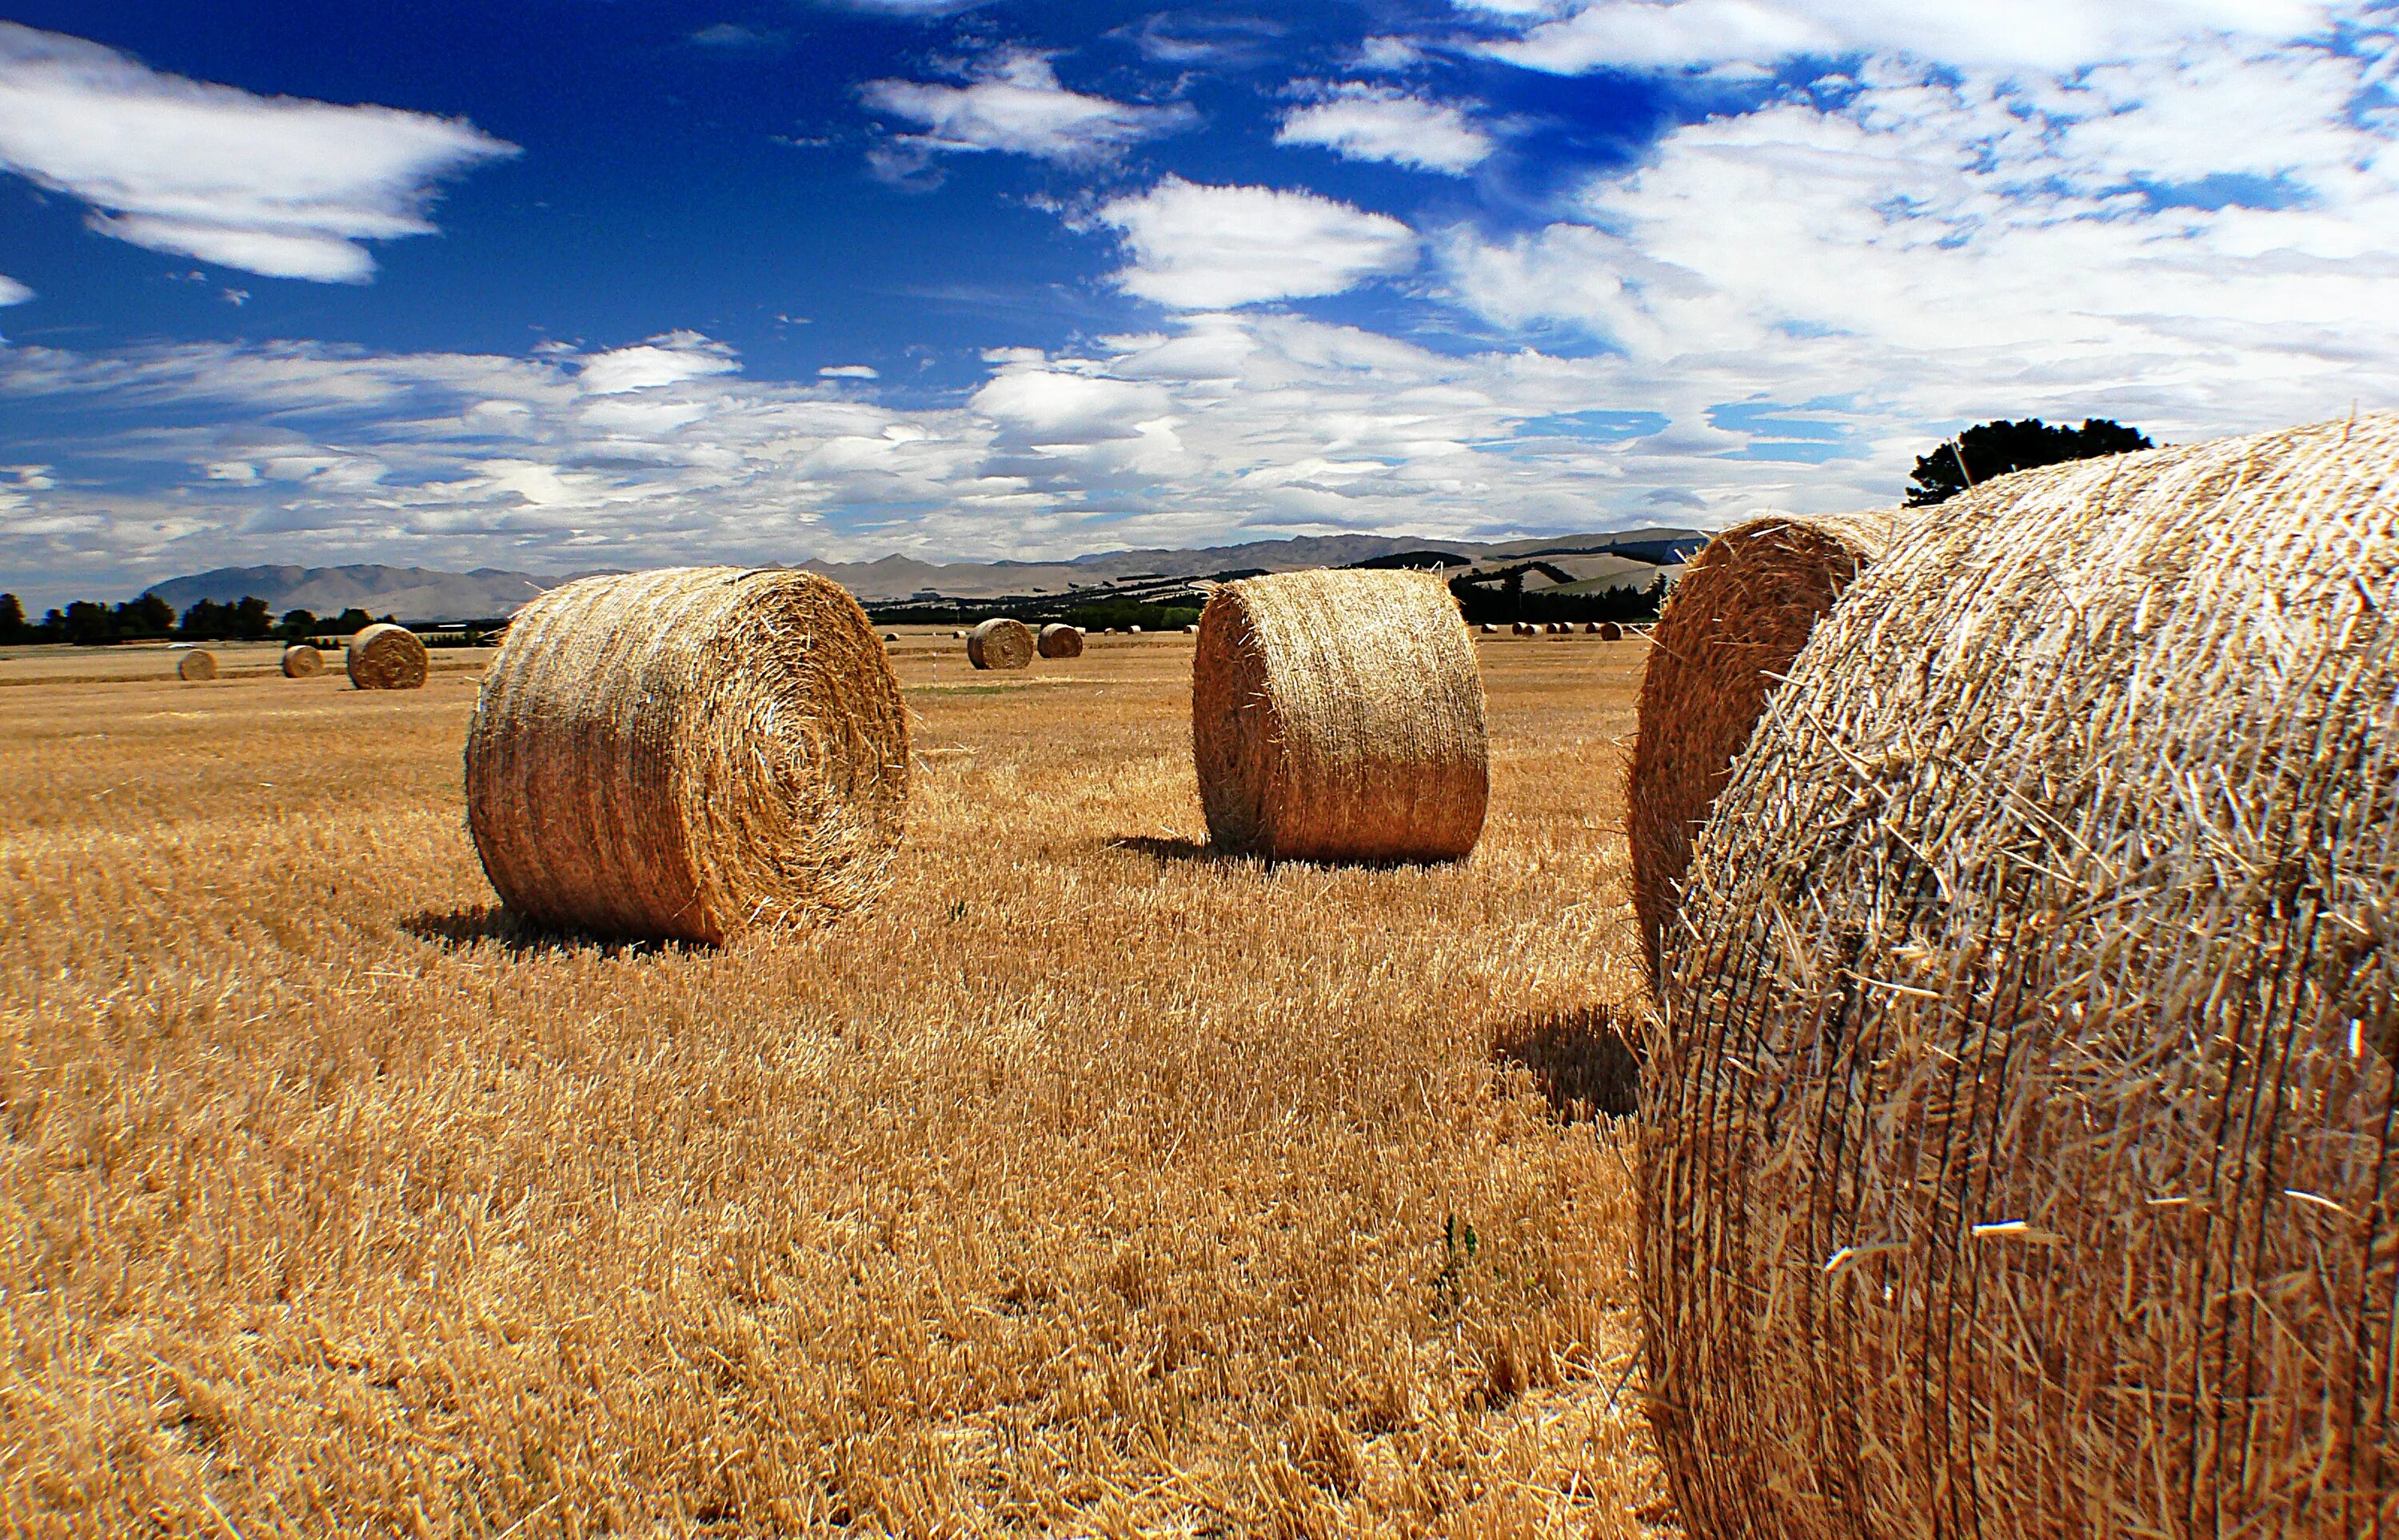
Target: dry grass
[{"x": 1083, "y": 1186}]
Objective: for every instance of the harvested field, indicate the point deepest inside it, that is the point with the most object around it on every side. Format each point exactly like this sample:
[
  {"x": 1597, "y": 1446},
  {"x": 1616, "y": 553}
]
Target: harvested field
[{"x": 1008, "y": 1205}]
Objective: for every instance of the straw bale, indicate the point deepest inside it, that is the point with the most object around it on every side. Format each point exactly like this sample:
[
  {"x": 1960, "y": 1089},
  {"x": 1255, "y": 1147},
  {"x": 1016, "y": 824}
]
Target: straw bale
[
  {"x": 1059, "y": 642},
  {"x": 301, "y": 661},
  {"x": 1488, "y": 629},
  {"x": 1338, "y": 716},
  {"x": 687, "y": 753},
  {"x": 1730, "y": 629},
  {"x": 1001, "y": 643},
  {"x": 1132, "y": 631},
  {"x": 2018, "y": 1144},
  {"x": 1191, "y": 630},
  {"x": 385, "y": 657},
  {"x": 196, "y": 664},
  {"x": 1608, "y": 630}
]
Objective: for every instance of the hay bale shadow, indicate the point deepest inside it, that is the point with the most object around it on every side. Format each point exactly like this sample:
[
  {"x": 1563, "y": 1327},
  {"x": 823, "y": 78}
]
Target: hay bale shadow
[
  {"x": 1198, "y": 851},
  {"x": 1581, "y": 1059},
  {"x": 1159, "y": 849},
  {"x": 479, "y": 925}
]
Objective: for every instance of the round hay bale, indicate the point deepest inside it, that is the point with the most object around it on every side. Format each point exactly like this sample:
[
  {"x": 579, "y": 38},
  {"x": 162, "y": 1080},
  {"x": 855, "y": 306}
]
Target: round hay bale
[
  {"x": 890, "y": 636},
  {"x": 1608, "y": 630},
  {"x": 2018, "y": 1143},
  {"x": 1001, "y": 643},
  {"x": 1059, "y": 642},
  {"x": 196, "y": 664},
  {"x": 301, "y": 661},
  {"x": 1338, "y": 716},
  {"x": 1488, "y": 629},
  {"x": 957, "y": 636},
  {"x": 1731, "y": 628},
  {"x": 385, "y": 657},
  {"x": 1192, "y": 630},
  {"x": 686, "y": 753},
  {"x": 1132, "y": 631}
]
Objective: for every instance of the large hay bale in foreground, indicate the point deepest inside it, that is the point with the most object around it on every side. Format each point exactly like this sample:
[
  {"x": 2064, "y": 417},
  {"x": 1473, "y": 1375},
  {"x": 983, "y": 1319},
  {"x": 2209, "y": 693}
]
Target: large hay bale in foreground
[
  {"x": 1338, "y": 716},
  {"x": 1059, "y": 642},
  {"x": 686, "y": 753},
  {"x": 195, "y": 666},
  {"x": 301, "y": 661},
  {"x": 1742, "y": 612},
  {"x": 385, "y": 657},
  {"x": 1001, "y": 643},
  {"x": 2017, "y": 1139}
]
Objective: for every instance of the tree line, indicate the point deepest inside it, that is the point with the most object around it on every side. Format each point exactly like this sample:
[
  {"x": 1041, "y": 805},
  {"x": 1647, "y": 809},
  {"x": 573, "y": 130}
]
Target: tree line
[{"x": 151, "y": 618}]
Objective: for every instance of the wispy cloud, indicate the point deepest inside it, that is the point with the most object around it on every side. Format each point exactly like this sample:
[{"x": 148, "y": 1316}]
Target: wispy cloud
[
  {"x": 1362, "y": 122},
  {"x": 13, "y": 293},
  {"x": 1202, "y": 247},
  {"x": 1012, "y": 102}
]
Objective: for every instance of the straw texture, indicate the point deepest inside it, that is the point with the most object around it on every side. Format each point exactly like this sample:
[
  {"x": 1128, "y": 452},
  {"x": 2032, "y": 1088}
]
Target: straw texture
[
  {"x": 2016, "y": 1145},
  {"x": 1060, "y": 641},
  {"x": 1738, "y": 616},
  {"x": 301, "y": 661},
  {"x": 386, "y": 657},
  {"x": 686, "y": 753},
  {"x": 1338, "y": 716},
  {"x": 1001, "y": 643},
  {"x": 196, "y": 664}
]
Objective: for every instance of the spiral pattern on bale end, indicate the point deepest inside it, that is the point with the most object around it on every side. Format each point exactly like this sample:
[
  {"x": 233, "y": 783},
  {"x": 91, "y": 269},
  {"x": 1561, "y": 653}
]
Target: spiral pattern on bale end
[
  {"x": 1001, "y": 643},
  {"x": 384, "y": 656},
  {"x": 1738, "y": 616},
  {"x": 1338, "y": 716},
  {"x": 2017, "y": 1141},
  {"x": 687, "y": 753},
  {"x": 301, "y": 661},
  {"x": 1060, "y": 641},
  {"x": 197, "y": 666}
]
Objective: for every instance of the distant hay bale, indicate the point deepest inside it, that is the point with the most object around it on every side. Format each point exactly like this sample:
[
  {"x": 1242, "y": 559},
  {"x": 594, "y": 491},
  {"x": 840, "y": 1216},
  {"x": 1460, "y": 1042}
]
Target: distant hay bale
[
  {"x": 2018, "y": 1142},
  {"x": 1192, "y": 630},
  {"x": 301, "y": 661},
  {"x": 195, "y": 666},
  {"x": 1488, "y": 629},
  {"x": 1521, "y": 629},
  {"x": 1338, "y": 716},
  {"x": 386, "y": 657},
  {"x": 958, "y": 636},
  {"x": 1735, "y": 621},
  {"x": 890, "y": 637},
  {"x": 1001, "y": 643},
  {"x": 1059, "y": 642},
  {"x": 686, "y": 753},
  {"x": 1608, "y": 630},
  {"x": 1132, "y": 631}
]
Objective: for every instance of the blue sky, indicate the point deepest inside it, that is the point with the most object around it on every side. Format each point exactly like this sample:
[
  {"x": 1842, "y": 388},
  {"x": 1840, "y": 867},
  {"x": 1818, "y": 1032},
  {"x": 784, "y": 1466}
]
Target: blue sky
[{"x": 610, "y": 282}]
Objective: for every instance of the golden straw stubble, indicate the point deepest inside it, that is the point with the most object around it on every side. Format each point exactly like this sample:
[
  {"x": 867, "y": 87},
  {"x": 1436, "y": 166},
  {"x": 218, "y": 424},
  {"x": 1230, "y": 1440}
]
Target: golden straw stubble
[
  {"x": 1338, "y": 716},
  {"x": 301, "y": 661},
  {"x": 2017, "y": 1145},
  {"x": 1737, "y": 617},
  {"x": 1060, "y": 641},
  {"x": 1002, "y": 643},
  {"x": 384, "y": 656},
  {"x": 687, "y": 753}
]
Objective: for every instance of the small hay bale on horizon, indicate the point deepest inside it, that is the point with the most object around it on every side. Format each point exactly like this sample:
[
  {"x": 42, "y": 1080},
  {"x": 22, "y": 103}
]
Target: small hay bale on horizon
[
  {"x": 1734, "y": 622},
  {"x": 1001, "y": 643},
  {"x": 301, "y": 661},
  {"x": 1608, "y": 630},
  {"x": 1338, "y": 716},
  {"x": 1056, "y": 640},
  {"x": 687, "y": 753},
  {"x": 384, "y": 656},
  {"x": 197, "y": 666},
  {"x": 2018, "y": 1138}
]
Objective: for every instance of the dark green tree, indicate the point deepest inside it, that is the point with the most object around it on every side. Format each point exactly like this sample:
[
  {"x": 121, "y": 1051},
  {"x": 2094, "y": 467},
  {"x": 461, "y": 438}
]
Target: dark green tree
[
  {"x": 299, "y": 624},
  {"x": 352, "y": 620},
  {"x": 206, "y": 621},
  {"x": 1995, "y": 447},
  {"x": 87, "y": 624},
  {"x": 13, "y": 628},
  {"x": 148, "y": 615},
  {"x": 251, "y": 620}
]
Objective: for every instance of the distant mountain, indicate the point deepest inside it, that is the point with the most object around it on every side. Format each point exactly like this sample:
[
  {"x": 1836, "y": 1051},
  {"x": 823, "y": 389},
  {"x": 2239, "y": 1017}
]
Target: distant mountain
[{"x": 424, "y": 595}]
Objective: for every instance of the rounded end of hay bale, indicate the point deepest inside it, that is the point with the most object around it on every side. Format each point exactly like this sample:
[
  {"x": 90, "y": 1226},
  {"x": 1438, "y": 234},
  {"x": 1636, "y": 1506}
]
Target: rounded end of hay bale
[
  {"x": 301, "y": 661},
  {"x": 1059, "y": 642},
  {"x": 890, "y": 636},
  {"x": 1608, "y": 630},
  {"x": 689, "y": 753},
  {"x": 1743, "y": 610},
  {"x": 1487, "y": 628},
  {"x": 1338, "y": 716},
  {"x": 1001, "y": 643},
  {"x": 196, "y": 664},
  {"x": 384, "y": 656},
  {"x": 1192, "y": 630}
]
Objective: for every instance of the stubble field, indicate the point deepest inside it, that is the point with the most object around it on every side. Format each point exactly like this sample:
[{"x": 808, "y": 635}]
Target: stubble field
[{"x": 1084, "y": 1185}]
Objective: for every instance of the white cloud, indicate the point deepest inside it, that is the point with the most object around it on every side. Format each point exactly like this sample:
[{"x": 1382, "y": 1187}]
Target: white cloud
[
  {"x": 671, "y": 359},
  {"x": 13, "y": 293},
  {"x": 1202, "y": 247},
  {"x": 1360, "y": 122},
  {"x": 274, "y": 185},
  {"x": 1013, "y": 103},
  {"x": 1389, "y": 54},
  {"x": 849, "y": 371},
  {"x": 2046, "y": 36}
]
